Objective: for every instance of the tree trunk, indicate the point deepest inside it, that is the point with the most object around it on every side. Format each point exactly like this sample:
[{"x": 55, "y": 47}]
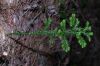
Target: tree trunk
[{"x": 27, "y": 16}]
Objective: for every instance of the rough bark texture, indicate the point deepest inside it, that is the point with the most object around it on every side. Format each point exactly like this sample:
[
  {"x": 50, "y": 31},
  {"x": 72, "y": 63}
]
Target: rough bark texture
[{"x": 26, "y": 16}]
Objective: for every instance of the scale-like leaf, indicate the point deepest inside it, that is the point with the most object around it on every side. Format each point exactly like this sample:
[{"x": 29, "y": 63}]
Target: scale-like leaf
[
  {"x": 77, "y": 23},
  {"x": 81, "y": 41},
  {"x": 72, "y": 20},
  {"x": 63, "y": 25},
  {"x": 47, "y": 23},
  {"x": 65, "y": 45}
]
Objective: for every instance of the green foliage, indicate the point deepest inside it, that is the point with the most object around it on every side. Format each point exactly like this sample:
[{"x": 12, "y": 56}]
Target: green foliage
[
  {"x": 78, "y": 31},
  {"x": 65, "y": 45},
  {"x": 72, "y": 20},
  {"x": 47, "y": 23},
  {"x": 63, "y": 33}
]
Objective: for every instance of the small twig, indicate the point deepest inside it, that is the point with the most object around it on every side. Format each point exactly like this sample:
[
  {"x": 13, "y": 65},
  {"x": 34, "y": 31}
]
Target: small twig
[{"x": 47, "y": 54}]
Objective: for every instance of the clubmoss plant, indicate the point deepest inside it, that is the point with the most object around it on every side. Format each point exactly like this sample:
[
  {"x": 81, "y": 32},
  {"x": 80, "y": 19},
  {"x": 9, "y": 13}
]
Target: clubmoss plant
[{"x": 64, "y": 33}]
